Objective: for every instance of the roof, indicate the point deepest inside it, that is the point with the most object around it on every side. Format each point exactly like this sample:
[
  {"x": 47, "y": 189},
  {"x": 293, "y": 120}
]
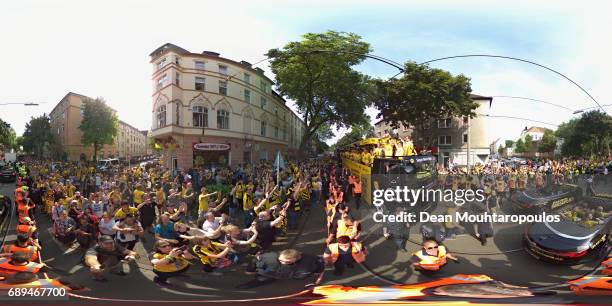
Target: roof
[
  {"x": 207, "y": 54},
  {"x": 536, "y": 129},
  {"x": 70, "y": 93}
]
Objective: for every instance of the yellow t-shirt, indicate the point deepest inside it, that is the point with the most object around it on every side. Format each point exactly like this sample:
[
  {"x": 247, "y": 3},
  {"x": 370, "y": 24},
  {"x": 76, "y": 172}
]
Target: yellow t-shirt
[
  {"x": 138, "y": 196},
  {"x": 120, "y": 214},
  {"x": 202, "y": 203},
  {"x": 239, "y": 191},
  {"x": 176, "y": 265},
  {"x": 160, "y": 195},
  {"x": 70, "y": 191}
]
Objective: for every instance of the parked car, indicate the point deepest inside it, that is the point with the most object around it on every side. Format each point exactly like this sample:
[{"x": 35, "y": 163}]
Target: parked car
[
  {"x": 8, "y": 174},
  {"x": 107, "y": 164},
  {"x": 571, "y": 241}
]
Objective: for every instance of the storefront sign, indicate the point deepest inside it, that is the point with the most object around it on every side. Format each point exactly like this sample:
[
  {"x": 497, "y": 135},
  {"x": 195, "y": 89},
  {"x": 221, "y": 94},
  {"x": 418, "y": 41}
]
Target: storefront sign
[{"x": 211, "y": 147}]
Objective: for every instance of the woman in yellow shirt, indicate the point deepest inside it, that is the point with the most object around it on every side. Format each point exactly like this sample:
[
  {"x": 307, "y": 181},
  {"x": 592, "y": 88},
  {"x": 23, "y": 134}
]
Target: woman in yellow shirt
[
  {"x": 168, "y": 261},
  {"x": 212, "y": 254}
]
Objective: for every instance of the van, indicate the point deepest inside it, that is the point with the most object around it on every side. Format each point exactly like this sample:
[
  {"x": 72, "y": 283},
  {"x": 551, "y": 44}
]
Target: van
[{"x": 107, "y": 164}]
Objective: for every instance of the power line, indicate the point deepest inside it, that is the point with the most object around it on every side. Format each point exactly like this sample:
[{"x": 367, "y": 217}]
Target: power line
[
  {"x": 517, "y": 118},
  {"x": 520, "y": 60},
  {"x": 546, "y": 102}
]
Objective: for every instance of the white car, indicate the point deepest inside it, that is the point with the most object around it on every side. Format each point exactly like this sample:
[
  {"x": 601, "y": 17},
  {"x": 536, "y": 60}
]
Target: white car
[{"x": 106, "y": 164}]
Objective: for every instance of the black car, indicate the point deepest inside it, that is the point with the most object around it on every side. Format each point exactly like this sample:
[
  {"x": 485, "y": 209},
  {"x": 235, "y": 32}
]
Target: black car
[
  {"x": 8, "y": 175},
  {"x": 567, "y": 242},
  {"x": 526, "y": 203}
]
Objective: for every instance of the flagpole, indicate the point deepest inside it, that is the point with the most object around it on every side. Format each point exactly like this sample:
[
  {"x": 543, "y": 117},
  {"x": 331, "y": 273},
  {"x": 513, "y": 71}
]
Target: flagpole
[{"x": 277, "y": 167}]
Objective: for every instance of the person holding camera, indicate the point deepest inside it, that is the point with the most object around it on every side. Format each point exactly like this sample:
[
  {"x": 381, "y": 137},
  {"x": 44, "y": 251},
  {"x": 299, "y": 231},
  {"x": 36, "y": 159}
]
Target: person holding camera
[
  {"x": 107, "y": 256},
  {"x": 168, "y": 261},
  {"x": 214, "y": 255}
]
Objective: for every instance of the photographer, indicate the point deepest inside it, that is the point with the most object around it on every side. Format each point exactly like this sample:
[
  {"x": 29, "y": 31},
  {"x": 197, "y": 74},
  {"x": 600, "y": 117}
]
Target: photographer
[
  {"x": 214, "y": 255},
  {"x": 106, "y": 257},
  {"x": 128, "y": 230},
  {"x": 168, "y": 261},
  {"x": 286, "y": 265}
]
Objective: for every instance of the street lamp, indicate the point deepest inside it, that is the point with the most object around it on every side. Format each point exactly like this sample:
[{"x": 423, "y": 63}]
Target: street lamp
[
  {"x": 25, "y": 104},
  {"x": 578, "y": 111}
]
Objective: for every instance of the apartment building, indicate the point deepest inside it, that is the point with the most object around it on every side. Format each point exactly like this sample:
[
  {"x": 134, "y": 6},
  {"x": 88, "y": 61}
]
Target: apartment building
[
  {"x": 210, "y": 110},
  {"x": 66, "y": 117}
]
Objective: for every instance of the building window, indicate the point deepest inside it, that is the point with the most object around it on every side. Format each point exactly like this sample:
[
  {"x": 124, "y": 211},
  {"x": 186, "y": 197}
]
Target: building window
[
  {"x": 262, "y": 84},
  {"x": 161, "y": 116},
  {"x": 200, "y": 84},
  {"x": 200, "y": 116},
  {"x": 247, "y": 96},
  {"x": 246, "y": 123},
  {"x": 262, "y": 132},
  {"x": 465, "y": 138},
  {"x": 263, "y": 102},
  {"x": 177, "y": 79},
  {"x": 465, "y": 120},
  {"x": 276, "y": 132},
  {"x": 223, "y": 88},
  {"x": 223, "y": 69},
  {"x": 161, "y": 63},
  {"x": 161, "y": 82},
  {"x": 223, "y": 119},
  {"x": 276, "y": 111},
  {"x": 445, "y": 140},
  {"x": 199, "y": 65},
  {"x": 444, "y": 123},
  {"x": 247, "y": 78}
]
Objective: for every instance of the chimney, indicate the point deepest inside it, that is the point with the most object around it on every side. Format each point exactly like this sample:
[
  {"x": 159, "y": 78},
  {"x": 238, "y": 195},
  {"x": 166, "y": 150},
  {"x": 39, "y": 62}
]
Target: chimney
[{"x": 211, "y": 53}]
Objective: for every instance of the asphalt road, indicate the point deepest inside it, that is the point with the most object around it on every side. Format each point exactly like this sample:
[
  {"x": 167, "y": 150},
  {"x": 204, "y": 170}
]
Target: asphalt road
[{"x": 502, "y": 259}]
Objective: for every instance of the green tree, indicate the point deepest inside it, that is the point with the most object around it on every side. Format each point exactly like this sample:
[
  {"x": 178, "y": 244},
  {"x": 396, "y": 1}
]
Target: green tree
[
  {"x": 589, "y": 135},
  {"x": 99, "y": 124},
  {"x": 548, "y": 142},
  {"x": 593, "y": 133},
  {"x": 528, "y": 143},
  {"x": 423, "y": 93},
  {"x": 357, "y": 132},
  {"x": 566, "y": 132},
  {"x": 324, "y": 85},
  {"x": 509, "y": 143},
  {"x": 37, "y": 135},
  {"x": 520, "y": 146},
  {"x": 500, "y": 150},
  {"x": 7, "y": 136}
]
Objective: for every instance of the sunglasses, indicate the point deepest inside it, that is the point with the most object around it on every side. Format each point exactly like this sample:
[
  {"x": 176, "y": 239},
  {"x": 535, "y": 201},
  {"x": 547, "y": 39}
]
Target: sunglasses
[{"x": 432, "y": 248}]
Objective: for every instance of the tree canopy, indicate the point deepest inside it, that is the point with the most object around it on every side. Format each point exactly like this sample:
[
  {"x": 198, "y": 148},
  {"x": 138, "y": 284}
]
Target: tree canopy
[
  {"x": 99, "y": 124},
  {"x": 358, "y": 132},
  {"x": 589, "y": 135},
  {"x": 7, "y": 136},
  {"x": 37, "y": 135},
  {"x": 548, "y": 142},
  {"x": 318, "y": 74},
  {"x": 423, "y": 93}
]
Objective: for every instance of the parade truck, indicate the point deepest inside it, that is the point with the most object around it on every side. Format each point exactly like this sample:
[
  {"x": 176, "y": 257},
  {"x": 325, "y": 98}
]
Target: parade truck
[{"x": 413, "y": 171}]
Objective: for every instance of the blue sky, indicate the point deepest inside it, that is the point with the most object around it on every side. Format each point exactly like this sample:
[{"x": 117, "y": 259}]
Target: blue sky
[{"x": 101, "y": 48}]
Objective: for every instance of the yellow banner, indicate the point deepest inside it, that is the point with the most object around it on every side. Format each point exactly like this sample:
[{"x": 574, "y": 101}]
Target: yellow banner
[{"x": 364, "y": 173}]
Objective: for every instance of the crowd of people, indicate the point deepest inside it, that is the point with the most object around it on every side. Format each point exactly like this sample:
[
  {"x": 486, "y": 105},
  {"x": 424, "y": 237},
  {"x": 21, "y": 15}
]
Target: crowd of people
[
  {"x": 220, "y": 217},
  {"x": 228, "y": 216},
  {"x": 385, "y": 147}
]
